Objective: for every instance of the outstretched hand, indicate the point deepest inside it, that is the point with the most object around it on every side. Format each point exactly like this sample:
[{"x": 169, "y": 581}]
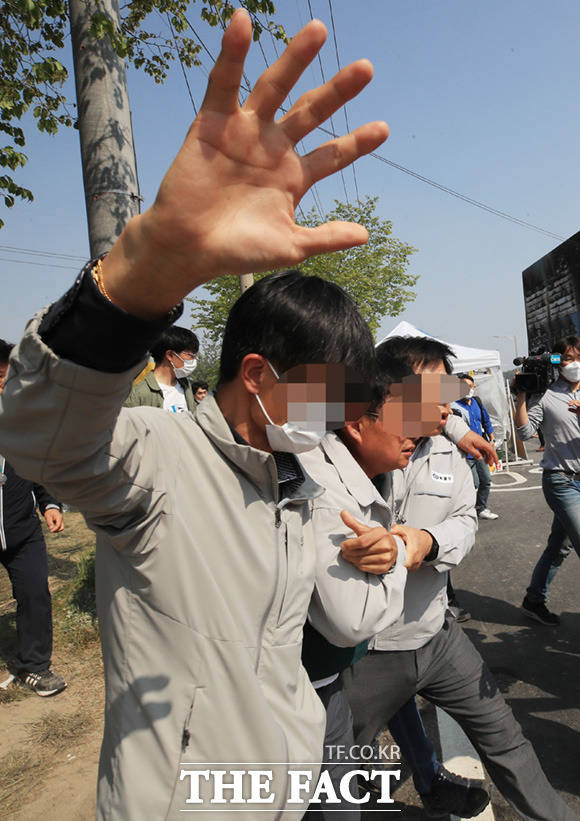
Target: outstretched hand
[{"x": 226, "y": 205}]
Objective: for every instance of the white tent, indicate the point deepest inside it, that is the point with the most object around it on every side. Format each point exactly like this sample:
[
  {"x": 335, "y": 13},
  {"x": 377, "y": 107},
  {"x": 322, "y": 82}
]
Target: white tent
[{"x": 486, "y": 365}]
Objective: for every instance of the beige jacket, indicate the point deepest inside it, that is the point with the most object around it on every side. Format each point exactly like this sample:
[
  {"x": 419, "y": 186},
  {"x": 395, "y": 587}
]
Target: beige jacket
[{"x": 203, "y": 582}]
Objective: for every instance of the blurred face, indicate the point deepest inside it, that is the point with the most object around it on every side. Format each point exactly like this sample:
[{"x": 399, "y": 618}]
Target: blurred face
[
  {"x": 420, "y": 405},
  {"x": 3, "y": 371},
  {"x": 379, "y": 450},
  {"x": 433, "y": 392},
  {"x": 312, "y": 396},
  {"x": 200, "y": 394}
]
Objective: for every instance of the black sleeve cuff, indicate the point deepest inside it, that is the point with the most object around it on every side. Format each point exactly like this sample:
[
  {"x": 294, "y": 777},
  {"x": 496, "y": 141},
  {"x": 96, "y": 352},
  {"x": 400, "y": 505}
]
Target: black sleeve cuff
[
  {"x": 84, "y": 327},
  {"x": 434, "y": 552}
]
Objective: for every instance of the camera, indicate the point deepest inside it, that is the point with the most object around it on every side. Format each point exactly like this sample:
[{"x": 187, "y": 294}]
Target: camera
[{"x": 537, "y": 371}]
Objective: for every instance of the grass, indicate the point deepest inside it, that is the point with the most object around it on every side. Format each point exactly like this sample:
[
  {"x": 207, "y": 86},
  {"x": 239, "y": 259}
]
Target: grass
[
  {"x": 19, "y": 772},
  {"x": 58, "y": 730}
]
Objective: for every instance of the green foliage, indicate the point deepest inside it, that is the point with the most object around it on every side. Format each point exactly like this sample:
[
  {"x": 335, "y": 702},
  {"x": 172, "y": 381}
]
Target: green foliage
[
  {"x": 208, "y": 362},
  {"x": 151, "y": 34},
  {"x": 375, "y": 275}
]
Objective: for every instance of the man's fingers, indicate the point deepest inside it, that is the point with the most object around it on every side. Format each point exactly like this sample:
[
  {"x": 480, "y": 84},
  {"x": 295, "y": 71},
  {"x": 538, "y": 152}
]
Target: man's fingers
[
  {"x": 278, "y": 81},
  {"x": 327, "y": 238},
  {"x": 336, "y": 154},
  {"x": 358, "y": 527},
  {"x": 354, "y": 547},
  {"x": 226, "y": 75},
  {"x": 377, "y": 568},
  {"x": 316, "y": 106}
]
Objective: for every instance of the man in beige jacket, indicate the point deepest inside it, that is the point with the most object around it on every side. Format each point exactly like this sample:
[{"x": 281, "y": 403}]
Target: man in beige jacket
[{"x": 205, "y": 557}]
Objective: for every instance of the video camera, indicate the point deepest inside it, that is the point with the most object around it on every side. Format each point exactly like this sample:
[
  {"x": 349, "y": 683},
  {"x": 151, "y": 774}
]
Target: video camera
[{"x": 537, "y": 371}]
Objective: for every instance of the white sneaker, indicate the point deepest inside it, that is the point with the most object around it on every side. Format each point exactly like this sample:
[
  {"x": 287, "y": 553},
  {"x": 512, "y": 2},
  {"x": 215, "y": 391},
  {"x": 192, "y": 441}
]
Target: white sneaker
[{"x": 487, "y": 514}]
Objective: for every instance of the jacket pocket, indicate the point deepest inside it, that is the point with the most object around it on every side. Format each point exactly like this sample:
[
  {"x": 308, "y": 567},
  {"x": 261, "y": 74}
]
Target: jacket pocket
[{"x": 181, "y": 745}]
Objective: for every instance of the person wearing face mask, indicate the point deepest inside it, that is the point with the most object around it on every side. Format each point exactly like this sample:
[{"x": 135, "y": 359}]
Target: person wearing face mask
[
  {"x": 558, "y": 412},
  {"x": 168, "y": 385},
  {"x": 472, "y": 409}
]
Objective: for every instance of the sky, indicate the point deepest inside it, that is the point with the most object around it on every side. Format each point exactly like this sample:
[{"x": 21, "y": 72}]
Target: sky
[{"x": 480, "y": 97}]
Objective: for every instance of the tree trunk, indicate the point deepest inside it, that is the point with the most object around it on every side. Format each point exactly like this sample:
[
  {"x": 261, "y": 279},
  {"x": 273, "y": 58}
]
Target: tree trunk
[{"x": 104, "y": 121}]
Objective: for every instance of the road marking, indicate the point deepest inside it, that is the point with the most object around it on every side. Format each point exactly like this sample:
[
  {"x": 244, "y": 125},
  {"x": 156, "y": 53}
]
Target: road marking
[
  {"x": 517, "y": 477},
  {"x": 511, "y": 489},
  {"x": 460, "y": 757}
]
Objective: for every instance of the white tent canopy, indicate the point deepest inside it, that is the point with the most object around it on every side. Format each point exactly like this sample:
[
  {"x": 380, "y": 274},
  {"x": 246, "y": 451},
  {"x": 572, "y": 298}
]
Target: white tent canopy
[{"x": 488, "y": 374}]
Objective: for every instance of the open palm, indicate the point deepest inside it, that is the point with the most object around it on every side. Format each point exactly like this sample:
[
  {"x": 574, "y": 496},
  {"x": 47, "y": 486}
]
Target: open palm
[{"x": 226, "y": 205}]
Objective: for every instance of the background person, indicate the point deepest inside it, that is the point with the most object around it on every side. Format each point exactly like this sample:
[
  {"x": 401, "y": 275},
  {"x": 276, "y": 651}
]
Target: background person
[
  {"x": 558, "y": 413},
  {"x": 473, "y": 411},
  {"x": 169, "y": 385},
  {"x": 200, "y": 390},
  {"x": 23, "y": 554}
]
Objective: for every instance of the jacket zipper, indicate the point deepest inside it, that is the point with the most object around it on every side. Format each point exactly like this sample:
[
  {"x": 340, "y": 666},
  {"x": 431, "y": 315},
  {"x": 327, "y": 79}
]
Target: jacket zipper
[{"x": 2, "y": 534}]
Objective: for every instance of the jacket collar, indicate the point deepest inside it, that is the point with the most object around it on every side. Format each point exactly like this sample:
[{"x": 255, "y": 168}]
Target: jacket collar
[
  {"x": 352, "y": 475},
  {"x": 258, "y": 465},
  {"x": 152, "y": 382}
]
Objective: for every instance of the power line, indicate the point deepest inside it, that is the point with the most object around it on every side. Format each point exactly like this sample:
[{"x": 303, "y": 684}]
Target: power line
[
  {"x": 34, "y": 252},
  {"x": 40, "y": 264},
  {"x": 331, "y": 120},
  {"x": 181, "y": 64},
  {"x": 458, "y": 194},
  {"x": 344, "y": 108}
]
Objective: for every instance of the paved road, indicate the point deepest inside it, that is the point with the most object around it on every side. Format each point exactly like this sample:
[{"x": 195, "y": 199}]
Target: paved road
[{"x": 537, "y": 667}]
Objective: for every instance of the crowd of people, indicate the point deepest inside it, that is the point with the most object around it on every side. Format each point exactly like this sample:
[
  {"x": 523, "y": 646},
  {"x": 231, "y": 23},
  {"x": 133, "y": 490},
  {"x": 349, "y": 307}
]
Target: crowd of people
[{"x": 273, "y": 557}]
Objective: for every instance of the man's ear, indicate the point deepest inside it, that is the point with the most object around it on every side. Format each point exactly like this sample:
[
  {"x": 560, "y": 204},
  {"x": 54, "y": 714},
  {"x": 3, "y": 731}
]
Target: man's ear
[
  {"x": 253, "y": 372},
  {"x": 353, "y": 430}
]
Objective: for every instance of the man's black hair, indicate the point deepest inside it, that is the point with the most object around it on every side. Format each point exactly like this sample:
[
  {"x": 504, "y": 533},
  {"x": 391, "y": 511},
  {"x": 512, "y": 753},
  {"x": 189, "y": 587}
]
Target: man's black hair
[
  {"x": 175, "y": 339},
  {"x": 466, "y": 376},
  {"x": 201, "y": 384},
  {"x": 566, "y": 342},
  {"x": 292, "y": 319},
  {"x": 400, "y": 353},
  {"x": 5, "y": 350}
]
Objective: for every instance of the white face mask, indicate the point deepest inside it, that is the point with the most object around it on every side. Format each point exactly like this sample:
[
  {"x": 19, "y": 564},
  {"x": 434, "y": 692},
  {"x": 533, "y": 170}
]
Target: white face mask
[
  {"x": 291, "y": 437},
  {"x": 571, "y": 371},
  {"x": 470, "y": 393},
  {"x": 188, "y": 367}
]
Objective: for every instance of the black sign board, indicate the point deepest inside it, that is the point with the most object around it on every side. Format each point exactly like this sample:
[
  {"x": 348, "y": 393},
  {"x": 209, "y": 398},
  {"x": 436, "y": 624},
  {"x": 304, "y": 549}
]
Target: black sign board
[{"x": 552, "y": 295}]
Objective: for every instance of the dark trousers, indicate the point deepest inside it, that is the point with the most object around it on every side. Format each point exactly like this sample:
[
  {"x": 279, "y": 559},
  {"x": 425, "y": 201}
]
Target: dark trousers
[
  {"x": 28, "y": 571},
  {"x": 338, "y": 732},
  {"x": 449, "y": 672}
]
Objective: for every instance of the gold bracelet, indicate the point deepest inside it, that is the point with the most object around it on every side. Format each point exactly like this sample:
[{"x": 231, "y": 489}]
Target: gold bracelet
[{"x": 97, "y": 273}]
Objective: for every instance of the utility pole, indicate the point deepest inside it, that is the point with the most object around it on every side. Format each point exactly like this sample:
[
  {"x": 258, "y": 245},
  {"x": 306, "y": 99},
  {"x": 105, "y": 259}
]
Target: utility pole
[
  {"x": 246, "y": 281},
  {"x": 104, "y": 121}
]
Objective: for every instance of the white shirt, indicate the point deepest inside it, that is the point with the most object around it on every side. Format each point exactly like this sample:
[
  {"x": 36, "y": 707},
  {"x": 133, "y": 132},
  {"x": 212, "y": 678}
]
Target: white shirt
[{"x": 173, "y": 398}]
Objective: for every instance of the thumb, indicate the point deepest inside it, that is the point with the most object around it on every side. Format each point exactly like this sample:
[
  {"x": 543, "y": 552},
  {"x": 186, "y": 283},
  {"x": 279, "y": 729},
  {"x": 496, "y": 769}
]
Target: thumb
[
  {"x": 353, "y": 523},
  {"x": 398, "y": 530}
]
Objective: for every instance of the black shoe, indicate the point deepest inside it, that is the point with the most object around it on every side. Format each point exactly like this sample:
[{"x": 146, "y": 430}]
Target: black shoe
[
  {"x": 539, "y": 612},
  {"x": 43, "y": 683},
  {"x": 458, "y": 613},
  {"x": 451, "y": 793}
]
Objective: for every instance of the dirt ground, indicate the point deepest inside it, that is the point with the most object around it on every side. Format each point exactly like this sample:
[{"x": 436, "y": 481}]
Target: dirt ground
[{"x": 50, "y": 746}]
